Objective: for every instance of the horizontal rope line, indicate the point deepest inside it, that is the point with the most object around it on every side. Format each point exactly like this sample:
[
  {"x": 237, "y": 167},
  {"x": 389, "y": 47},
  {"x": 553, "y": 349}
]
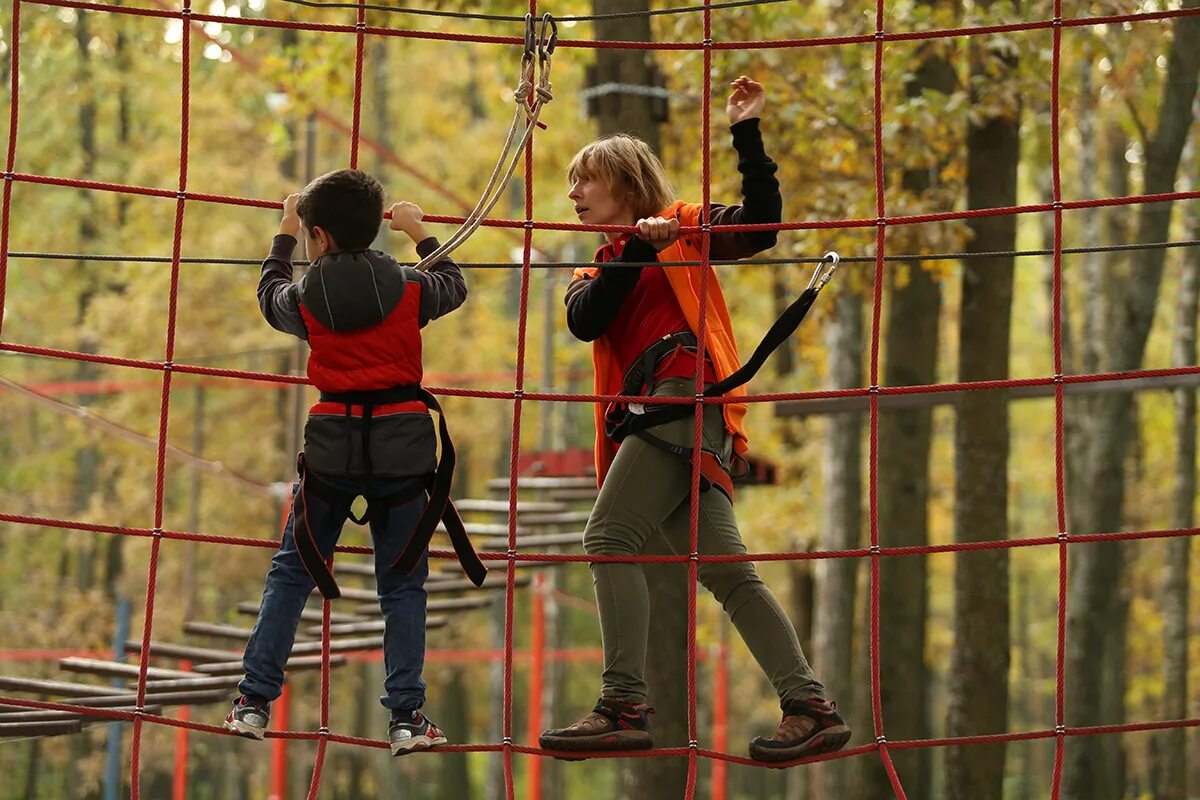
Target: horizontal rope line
[
  {"x": 558, "y": 397},
  {"x": 824, "y": 41},
  {"x": 748, "y": 262},
  {"x": 512, "y": 18},
  {"x": 665, "y": 752},
  {"x": 862, "y": 222},
  {"x": 583, "y": 558}
]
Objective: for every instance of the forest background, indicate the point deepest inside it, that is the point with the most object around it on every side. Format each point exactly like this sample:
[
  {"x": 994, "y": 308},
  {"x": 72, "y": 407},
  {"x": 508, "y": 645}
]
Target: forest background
[{"x": 968, "y": 640}]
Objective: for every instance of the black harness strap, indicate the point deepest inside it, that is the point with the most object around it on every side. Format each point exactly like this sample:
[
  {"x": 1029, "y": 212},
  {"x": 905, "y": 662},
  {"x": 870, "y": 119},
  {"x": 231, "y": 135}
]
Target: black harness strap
[
  {"x": 436, "y": 485},
  {"x": 306, "y": 546},
  {"x": 621, "y": 422}
]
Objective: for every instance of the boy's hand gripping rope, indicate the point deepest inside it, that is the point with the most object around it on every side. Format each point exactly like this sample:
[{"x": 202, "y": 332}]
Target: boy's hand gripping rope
[{"x": 530, "y": 97}]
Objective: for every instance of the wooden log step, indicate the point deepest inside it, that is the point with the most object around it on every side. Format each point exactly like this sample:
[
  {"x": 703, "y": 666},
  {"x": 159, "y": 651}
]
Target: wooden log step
[
  {"x": 501, "y": 506},
  {"x": 308, "y": 615},
  {"x": 13, "y": 684},
  {"x": 557, "y": 518},
  {"x": 294, "y": 664},
  {"x": 547, "y": 540},
  {"x": 199, "y": 655},
  {"x": 371, "y": 626},
  {"x": 10, "y": 715},
  {"x": 536, "y": 482},
  {"x": 222, "y": 682},
  {"x": 115, "y": 669},
  {"x": 54, "y": 728}
]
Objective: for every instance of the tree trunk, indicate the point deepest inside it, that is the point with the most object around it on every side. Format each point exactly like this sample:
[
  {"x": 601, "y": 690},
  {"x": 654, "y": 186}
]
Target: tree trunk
[
  {"x": 1173, "y": 765},
  {"x": 666, "y": 661},
  {"x": 836, "y": 578},
  {"x": 978, "y": 680},
  {"x": 910, "y": 348},
  {"x": 1096, "y": 568}
]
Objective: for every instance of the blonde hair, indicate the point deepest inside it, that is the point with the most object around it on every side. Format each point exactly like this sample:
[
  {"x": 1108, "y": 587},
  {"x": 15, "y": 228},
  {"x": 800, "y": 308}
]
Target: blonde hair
[{"x": 625, "y": 162}]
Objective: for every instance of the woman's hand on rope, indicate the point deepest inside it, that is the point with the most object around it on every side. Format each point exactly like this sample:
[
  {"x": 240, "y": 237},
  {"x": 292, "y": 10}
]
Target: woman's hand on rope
[
  {"x": 658, "y": 232},
  {"x": 290, "y": 224},
  {"x": 407, "y": 217},
  {"x": 746, "y": 101}
]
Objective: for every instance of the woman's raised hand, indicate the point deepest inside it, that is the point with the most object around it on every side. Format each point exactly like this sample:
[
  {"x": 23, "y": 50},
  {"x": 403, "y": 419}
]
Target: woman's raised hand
[{"x": 746, "y": 101}]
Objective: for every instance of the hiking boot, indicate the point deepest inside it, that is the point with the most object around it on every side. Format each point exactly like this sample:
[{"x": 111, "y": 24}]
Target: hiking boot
[
  {"x": 808, "y": 728},
  {"x": 611, "y": 725},
  {"x": 249, "y": 717},
  {"x": 412, "y": 730}
]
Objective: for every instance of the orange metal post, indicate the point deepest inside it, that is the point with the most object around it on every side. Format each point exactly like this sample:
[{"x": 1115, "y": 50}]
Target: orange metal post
[
  {"x": 536, "y": 661},
  {"x": 179, "y": 782},
  {"x": 720, "y": 717},
  {"x": 279, "y": 763}
]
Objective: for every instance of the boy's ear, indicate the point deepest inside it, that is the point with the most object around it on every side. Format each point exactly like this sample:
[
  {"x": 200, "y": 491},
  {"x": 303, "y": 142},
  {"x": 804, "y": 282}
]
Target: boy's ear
[{"x": 322, "y": 236}]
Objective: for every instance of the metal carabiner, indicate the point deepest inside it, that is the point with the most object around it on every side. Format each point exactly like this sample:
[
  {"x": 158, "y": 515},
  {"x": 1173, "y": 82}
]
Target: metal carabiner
[
  {"x": 823, "y": 273},
  {"x": 530, "y": 38},
  {"x": 546, "y": 45}
]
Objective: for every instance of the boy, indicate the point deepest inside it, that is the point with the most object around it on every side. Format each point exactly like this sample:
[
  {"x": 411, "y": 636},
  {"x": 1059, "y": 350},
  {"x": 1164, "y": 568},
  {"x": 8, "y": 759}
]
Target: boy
[{"x": 371, "y": 434}]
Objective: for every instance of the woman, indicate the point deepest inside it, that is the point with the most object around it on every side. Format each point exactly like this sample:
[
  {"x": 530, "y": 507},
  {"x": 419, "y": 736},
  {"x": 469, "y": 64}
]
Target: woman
[{"x": 643, "y": 322}]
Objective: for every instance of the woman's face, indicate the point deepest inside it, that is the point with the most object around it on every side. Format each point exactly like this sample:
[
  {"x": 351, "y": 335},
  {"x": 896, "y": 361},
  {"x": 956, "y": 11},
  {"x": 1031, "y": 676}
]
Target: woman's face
[{"x": 596, "y": 203}]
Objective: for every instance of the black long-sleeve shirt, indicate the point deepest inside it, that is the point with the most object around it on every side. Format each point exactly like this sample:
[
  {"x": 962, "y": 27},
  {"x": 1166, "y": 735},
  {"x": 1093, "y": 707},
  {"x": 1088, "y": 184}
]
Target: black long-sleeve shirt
[
  {"x": 443, "y": 287},
  {"x": 593, "y": 303}
]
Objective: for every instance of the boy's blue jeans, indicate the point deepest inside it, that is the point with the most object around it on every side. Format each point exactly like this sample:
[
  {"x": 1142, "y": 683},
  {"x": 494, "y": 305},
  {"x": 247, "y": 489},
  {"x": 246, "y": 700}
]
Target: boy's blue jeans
[{"x": 401, "y": 597}]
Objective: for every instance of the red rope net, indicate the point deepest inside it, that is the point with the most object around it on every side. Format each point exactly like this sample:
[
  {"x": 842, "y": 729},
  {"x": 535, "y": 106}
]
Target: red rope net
[{"x": 693, "y": 752}]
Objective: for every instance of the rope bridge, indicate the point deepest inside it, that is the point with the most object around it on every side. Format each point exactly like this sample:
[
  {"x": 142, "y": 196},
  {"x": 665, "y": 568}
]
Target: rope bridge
[{"x": 879, "y": 744}]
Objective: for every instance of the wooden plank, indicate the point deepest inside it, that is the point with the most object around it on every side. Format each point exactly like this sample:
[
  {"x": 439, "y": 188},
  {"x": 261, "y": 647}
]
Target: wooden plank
[
  {"x": 217, "y": 630},
  {"x": 436, "y": 604},
  {"x": 114, "y": 669},
  {"x": 557, "y": 518},
  {"x": 294, "y": 664},
  {"x": 206, "y": 682},
  {"x": 571, "y": 496},
  {"x": 501, "y": 506},
  {"x": 36, "y": 715},
  {"x": 168, "y": 650},
  {"x": 59, "y": 728},
  {"x": 55, "y": 687},
  {"x": 548, "y": 540},
  {"x": 368, "y": 626},
  {"x": 129, "y": 698},
  {"x": 308, "y": 615},
  {"x": 534, "y": 482}
]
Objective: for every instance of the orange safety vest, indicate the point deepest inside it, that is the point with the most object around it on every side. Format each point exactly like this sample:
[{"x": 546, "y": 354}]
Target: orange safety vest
[{"x": 719, "y": 343}]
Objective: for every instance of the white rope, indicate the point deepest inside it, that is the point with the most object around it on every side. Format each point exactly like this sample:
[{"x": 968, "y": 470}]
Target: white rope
[{"x": 543, "y": 93}]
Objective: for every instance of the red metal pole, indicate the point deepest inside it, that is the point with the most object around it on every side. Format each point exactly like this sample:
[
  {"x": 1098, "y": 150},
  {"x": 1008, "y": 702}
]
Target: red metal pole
[
  {"x": 279, "y": 761},
  {"x": 720, "y": 717},
  {"x": 536, "y": 661},
  {"x": 179, "y": 783}
]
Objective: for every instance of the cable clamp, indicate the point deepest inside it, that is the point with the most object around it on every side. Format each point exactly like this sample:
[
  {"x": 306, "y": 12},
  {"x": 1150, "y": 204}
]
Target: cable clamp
[
  {"x": 875, "y": 550},
  {"x": 9, "y": 176},
  {"x": 881, "y": 740},
  {"x": 873, "y": 389},
  {"x": 694, "y": 557},
  {"x": 511, "y": 553},
  {"x": 1060, "y": 730},
  {"x": 528, "y": 225},
  {"x": 693, "y": 744},
  {"x": 698, "y": 398},
  {"x": 181, "y": 195},
  {"x": 323, "y": 730},
  {"x": 1063, "y": 536},
  {"x": 156, "y": 533},
  {"x": 1058, "y": 377},
  {"x": 360, "y": 27},
  {"x": 518, "y": 394},
  {"x": 1056, "y": 22},
  {"x": 1057, "y": 205},
  {"x": 168, "y": 366},
  {"x": 707, "y": 42},
  {"x": 881, "y": 222},
  {"x": 139, "y": 710},
  {"x": 506, "y": 741}
]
